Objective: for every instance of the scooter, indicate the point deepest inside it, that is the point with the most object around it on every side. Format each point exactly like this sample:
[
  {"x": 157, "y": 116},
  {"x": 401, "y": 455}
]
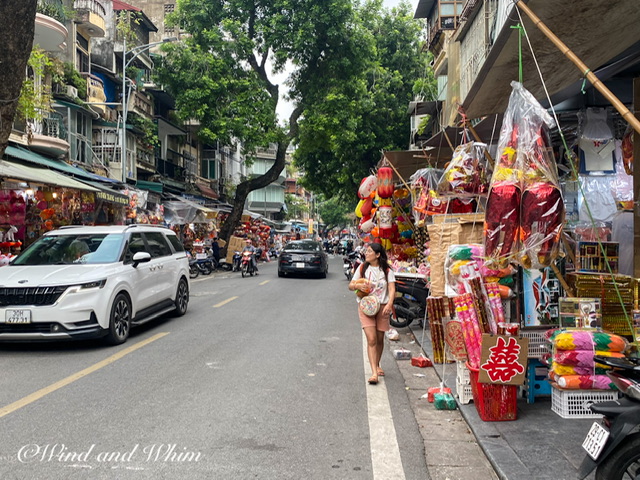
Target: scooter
[
  {"x": 236, "y": 262},
  {"x": 412, "y": 301},
  {"x": 613, "y": 443},
  {"x": 247, "y": 264},
  {"x": 350, "y": 263},
  {"x": 194, "y": 271}
]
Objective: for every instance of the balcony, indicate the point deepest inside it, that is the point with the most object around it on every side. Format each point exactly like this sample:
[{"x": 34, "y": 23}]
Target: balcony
[
  {"x": 49, "y": 135},
  {"x": 141, "y": 104},
  {"x": 50, "y": 34},
  {"x": 90, "y": 17},
  {"x": 95, "y": 93}
]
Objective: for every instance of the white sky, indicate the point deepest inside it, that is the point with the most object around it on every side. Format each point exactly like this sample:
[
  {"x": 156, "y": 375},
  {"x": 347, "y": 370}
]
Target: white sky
[{"x": 285, "y": 108}]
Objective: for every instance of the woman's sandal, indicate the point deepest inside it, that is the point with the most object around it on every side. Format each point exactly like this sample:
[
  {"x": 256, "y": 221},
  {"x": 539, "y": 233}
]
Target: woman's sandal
[
  {"x": 373, "y": 380},
  {"x": 380, "y": 372}
]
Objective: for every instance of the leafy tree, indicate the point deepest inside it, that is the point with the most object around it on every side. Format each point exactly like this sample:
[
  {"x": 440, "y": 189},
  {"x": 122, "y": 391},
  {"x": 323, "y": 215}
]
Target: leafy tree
[
  {"x": 220, "y": 74},
  {"x": 334, "y": 212},
  {"x": 341, "y": 138},
  {"x": 296, "y": 207},
  {"x": 17, "y": 24}
]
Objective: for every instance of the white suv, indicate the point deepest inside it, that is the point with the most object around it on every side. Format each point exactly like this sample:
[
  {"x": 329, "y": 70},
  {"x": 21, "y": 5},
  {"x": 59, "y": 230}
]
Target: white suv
[{"x": 83, "y": 282}]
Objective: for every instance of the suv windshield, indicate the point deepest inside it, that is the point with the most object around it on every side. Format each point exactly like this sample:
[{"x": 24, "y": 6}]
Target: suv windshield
[{"x": 73, "y": 248}]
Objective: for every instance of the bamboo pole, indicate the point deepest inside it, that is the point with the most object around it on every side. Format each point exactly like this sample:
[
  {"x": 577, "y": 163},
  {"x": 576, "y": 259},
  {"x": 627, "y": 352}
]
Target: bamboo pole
[{"x": 618, "y": 105}]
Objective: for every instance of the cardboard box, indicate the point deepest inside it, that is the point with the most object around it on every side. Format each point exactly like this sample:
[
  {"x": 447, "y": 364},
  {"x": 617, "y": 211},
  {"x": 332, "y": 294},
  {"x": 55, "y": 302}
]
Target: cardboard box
[
  {"x": 449, "y": 230},
  {"x": 236, "y": 244}
]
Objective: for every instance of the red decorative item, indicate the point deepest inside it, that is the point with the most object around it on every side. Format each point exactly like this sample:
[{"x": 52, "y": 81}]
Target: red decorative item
[
  {"x": 385, "y": 182},
  {"x": 421, "y": 362},
  {"x": 542, "y": 215},
  {"x": 433, "y": 390},
  {"x": 501, "y": 221}
]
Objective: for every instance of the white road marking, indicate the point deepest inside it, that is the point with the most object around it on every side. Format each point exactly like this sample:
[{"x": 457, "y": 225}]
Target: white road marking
[{"x": 385, "y": 452}]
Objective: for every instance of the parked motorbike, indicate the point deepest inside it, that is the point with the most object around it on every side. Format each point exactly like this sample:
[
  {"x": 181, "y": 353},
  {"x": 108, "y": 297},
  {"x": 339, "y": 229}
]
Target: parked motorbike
[
  {"x": 194, "y": 271},
  {"x": 350, "y": 263},
  {"x": 613, "y": 443},
  {"x": 412, "y": 301},
  {"x": 247, "y": 264},
  {"x": 236, "y": 262}
]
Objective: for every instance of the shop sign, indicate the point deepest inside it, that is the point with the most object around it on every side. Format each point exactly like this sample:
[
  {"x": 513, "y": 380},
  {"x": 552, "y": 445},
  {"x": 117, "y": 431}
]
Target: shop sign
[
  {"x": 112, "y": 197},
  {"x": 12, "y": 185},
  {"x": 503, "y": 359}
]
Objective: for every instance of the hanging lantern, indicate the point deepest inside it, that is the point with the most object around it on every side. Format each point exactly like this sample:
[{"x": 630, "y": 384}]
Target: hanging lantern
[
  {"x": 385, "y": 221},
  {"x": 385, "y": 182},
  {"x": 367, "y": 186}
]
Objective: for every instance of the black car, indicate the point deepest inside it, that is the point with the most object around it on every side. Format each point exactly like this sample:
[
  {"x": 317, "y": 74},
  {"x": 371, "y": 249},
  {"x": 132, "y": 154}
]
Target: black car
[{"x": 303, "y": 256}]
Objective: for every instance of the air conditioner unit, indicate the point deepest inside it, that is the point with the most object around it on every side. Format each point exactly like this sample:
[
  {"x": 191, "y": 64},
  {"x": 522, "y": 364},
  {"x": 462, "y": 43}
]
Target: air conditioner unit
[{"x": 72, "y": 91}]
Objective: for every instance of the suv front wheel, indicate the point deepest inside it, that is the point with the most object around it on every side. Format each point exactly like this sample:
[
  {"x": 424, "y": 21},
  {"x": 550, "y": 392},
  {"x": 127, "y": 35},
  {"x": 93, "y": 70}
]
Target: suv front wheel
[{"x": 119, "y": 320}]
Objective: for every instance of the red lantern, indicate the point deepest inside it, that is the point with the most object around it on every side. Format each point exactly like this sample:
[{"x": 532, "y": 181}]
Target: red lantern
[{"x": 385, "y": 182}]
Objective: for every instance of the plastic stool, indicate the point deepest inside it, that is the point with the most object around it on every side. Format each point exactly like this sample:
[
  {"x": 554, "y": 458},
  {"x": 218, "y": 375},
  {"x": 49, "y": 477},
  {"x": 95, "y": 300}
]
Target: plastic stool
[{"x": 536, "y": 385}]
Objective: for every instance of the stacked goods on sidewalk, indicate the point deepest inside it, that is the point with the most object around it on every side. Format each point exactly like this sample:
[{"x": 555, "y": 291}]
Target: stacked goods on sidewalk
[{"x": 575, "y": 373}]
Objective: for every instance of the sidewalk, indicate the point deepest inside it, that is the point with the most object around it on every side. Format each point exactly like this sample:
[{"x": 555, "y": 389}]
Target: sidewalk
[{"x": 538, "y": 445}]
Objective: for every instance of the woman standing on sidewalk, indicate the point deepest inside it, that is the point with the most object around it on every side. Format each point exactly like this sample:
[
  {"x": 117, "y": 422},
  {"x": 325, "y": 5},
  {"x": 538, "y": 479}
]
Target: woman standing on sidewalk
[{"x": 382, "y": 283}]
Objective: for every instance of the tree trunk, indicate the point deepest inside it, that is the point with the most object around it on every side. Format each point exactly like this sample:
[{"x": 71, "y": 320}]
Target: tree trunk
[
  {"x": 243, "y": 189},
  {"x": 17, "y": 26}
]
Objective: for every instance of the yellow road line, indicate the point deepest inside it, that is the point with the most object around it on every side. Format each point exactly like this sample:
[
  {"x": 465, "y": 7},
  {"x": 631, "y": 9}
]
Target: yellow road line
[
  {"x": 76, "y": 376},
  {"x": 224, "y": 302},
  {"x": 265, "y": 282}
]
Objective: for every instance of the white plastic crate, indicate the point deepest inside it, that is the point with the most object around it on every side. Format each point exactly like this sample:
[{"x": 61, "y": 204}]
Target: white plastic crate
[
  {"x": 538, "y": 344},
  {"x": 463, "y": 373},
  {"x": 463, "y": 392},
  {"x": 575, "y": 403}
]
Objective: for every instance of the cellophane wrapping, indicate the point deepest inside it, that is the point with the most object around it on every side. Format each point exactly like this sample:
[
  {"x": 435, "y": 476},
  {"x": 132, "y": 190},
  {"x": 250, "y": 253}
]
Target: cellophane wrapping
[
  {"x": 466, "y": 175},
  {"x": 525, "y": 209}
]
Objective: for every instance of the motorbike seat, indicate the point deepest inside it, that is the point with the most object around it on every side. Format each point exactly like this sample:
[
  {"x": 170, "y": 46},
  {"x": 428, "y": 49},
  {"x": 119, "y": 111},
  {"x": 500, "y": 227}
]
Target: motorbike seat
[{"x": 614, "y": 408}]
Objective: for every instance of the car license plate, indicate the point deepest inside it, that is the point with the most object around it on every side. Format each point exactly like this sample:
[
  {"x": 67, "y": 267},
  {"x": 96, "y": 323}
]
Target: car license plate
[
  {"x": 17, "y": 316},
  {"x": 596, "y": 439},
  {"x": 299, "y": 264}
]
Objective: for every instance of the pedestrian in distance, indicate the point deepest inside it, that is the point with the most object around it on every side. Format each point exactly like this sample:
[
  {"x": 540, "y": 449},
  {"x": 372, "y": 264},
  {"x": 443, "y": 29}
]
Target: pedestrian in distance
[{"x": 381, "y": 282}]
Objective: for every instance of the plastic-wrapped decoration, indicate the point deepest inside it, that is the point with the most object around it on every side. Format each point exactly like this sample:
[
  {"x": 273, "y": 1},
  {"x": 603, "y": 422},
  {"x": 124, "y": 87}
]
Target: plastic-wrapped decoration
[{"x": 466, "y": 175}]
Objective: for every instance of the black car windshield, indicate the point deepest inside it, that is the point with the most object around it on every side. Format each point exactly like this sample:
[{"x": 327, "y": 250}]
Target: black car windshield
[
  {"x": 303, "y": 246},
  {"x": 73, "y": 249}
]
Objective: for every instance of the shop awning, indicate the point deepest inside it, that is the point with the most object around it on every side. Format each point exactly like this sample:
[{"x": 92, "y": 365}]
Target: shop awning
[
  {"x": 615, "y": 29},
  {"x": 29, "y": 156},
  {"x": 207, "y": 192},
  {"x": 40, "y": 175},
  {"x": 151, "y": 186},
  {"x": 106, "y": 194}
]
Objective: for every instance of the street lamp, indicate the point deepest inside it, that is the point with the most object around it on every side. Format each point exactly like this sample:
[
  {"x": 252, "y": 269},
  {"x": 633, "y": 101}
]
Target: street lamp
[{"x": 125, "y": 96}]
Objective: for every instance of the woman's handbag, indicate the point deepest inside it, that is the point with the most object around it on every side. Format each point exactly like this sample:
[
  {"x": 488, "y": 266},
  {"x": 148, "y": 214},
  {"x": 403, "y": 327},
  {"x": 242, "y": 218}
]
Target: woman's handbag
[{"x": 370, "y": 305}]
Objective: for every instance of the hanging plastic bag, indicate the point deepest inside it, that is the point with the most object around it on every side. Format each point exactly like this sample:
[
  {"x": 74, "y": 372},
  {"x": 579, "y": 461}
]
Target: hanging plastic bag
[{"x": 466, "y": 175}]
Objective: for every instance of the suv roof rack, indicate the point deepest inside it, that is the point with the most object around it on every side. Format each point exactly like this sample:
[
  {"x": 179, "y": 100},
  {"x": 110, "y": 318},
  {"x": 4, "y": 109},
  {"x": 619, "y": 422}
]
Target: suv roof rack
[
  {"x": 65, "y": 227},
  {"x": 146, "y": 225}
]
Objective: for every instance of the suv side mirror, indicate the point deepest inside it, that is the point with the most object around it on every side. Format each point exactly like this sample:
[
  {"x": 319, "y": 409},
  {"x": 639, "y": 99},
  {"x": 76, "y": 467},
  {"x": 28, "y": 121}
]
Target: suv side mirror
[{"x": 140, "y": 257}]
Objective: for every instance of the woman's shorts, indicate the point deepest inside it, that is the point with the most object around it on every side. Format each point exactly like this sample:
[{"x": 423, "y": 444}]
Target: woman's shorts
[{"x": 380, "y": 321}]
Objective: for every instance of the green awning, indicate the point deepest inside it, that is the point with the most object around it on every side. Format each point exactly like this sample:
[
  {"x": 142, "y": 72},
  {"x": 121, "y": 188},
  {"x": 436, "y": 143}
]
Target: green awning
[
  {"x": 151, "y": 186},
  {"x": 40, "y": 175},
  {"x": 29, "y": 156}
]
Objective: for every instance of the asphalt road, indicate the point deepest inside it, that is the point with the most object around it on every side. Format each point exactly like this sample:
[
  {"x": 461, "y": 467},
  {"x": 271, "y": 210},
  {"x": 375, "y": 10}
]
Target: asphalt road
[{"x": 264, "y": 378}]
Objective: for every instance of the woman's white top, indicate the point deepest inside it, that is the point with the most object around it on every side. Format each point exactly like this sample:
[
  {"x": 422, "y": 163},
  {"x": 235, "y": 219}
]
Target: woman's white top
[{"x": 376, "y": 276}]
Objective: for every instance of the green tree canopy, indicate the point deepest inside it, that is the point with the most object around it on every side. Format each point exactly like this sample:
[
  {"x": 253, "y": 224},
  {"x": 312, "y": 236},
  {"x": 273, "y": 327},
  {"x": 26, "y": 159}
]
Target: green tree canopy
[
  {"x": 342, "y": 137},
  {"x": 220, "y": 75},
  {"x": 334, "y": 212}
]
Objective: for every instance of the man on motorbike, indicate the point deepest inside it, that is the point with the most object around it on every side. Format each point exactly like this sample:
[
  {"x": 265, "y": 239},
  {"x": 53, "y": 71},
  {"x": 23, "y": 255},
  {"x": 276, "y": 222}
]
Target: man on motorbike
[{"x": 250, "y": 248}]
